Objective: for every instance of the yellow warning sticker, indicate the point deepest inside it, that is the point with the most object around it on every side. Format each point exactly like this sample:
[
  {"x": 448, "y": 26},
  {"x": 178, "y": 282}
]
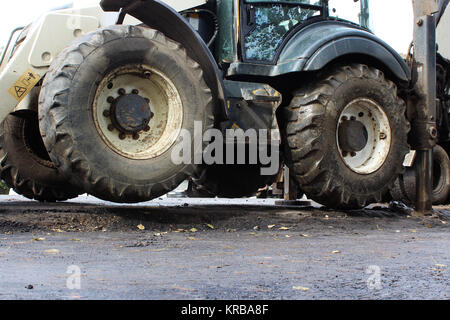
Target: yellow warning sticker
[{"x": 23, "y": 86}]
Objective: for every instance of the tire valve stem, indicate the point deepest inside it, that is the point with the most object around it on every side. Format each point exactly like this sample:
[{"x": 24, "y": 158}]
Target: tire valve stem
[{"x": 382, "y": 135}]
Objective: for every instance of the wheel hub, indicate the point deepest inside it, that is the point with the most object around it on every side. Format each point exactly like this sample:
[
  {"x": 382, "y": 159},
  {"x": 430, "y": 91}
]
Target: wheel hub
[
  {"x": 131, "y": 113},
  {"x": 353, "y": 136},
  {"x": 138, "y": 111},
  {"x": 363, "y": 136}
]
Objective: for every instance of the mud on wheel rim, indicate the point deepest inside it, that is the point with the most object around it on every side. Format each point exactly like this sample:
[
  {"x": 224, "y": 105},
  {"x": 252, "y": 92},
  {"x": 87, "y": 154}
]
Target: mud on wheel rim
[
  {"x": 138, "y": 111},
  {"x": 363, "y": 136}
]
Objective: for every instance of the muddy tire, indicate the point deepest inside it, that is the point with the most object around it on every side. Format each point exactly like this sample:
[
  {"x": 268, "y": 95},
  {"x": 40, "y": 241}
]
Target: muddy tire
[
  {"x": 112, "y": 152},
  {"x": 404, "y": 189},
  {"x": 25, "y": 165},
  {"x": 347, "y": 136}
]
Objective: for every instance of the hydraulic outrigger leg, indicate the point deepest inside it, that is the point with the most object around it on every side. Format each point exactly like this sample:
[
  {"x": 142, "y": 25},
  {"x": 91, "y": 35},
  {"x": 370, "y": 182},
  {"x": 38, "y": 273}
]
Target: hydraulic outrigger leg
[{"x": 424, "y": 125}]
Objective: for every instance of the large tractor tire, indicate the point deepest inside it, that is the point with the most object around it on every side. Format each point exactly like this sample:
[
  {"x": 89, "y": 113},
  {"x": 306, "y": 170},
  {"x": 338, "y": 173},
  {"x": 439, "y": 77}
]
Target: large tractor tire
[
  {"x": 25, "y": 165},
  {"x": 347, "y": 135},
  {"x": 115, "y": 106},
  {"x": 404, "y": 189}
]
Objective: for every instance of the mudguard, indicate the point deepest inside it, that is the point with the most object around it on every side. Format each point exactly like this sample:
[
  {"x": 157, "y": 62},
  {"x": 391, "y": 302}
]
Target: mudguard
[
  {"x": 163, "y": 18},
  {"x": 318, "y": 44}
]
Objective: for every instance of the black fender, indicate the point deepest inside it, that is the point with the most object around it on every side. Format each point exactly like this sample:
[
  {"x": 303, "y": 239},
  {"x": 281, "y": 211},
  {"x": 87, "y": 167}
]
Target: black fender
[
  {"x": 158, "y": 15},
  {"x": 318, "y": 44}
]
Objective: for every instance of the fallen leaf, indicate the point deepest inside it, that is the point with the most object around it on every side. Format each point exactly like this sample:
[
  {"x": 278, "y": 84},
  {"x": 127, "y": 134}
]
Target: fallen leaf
[
  {"x": 184, "y": 289},
  {"x": 252, "y": 233},
  {"x": 284, "y": 228},
  {"x": 38, "y": 239},
  {"x": 193, "y": 230},
  {"x": 440, "y": 265},
  {"x": 287, "y": 236},
  {"x": 52, "y": 251},
  {"x": 300, "y": 288},
  {"x": 210, "y": 226},
  {"x": 192, "y": 239},
  {"x": 443, "y": 222},
  {"x": 141, "y": 227},
  {"x": 335, "y": 251},
  {"x": 271, "y": 226},
  {"x": 76, "y": 240},
  {"x": 305, "y": 235},
  {"x": 58, "y": 230}
]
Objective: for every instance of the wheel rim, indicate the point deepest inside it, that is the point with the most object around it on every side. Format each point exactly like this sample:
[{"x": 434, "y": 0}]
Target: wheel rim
[
  {"x": 138, "y": 112},
  {"x": 363, "y": 136}
]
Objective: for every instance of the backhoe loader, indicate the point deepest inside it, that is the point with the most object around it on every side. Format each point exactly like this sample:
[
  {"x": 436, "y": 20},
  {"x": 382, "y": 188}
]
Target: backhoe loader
[{"x": 102, "y": 107}]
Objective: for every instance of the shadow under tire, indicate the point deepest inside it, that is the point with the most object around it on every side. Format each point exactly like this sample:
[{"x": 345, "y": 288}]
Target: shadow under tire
[
  {"x": 327, "y": 174},
  {"x": 232, "y": 181},
  {"x": 25, "y": 165},
  {"x": 85, "y": 126}
]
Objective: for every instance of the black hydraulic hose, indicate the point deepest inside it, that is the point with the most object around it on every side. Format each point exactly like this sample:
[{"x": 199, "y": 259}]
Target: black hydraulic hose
[
  {"x": 9, "y": 43},
  {"x": 214, "y": 18},
  {"x": 442, "y": 6}
]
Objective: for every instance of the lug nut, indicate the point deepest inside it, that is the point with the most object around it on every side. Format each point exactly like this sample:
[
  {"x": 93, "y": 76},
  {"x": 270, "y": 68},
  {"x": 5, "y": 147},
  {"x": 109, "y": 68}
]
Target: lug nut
[
  {"x": 353, "y": 118},
  {"x": 106, "y": 113},
  {"x": 344, "y": 154},
  {"x": 353, "y": 154},
  {"x": 147, "y": 129},
  {"x": 344, "y": 118},
  {"x": 110, "y": 127},
  {"x": 152, "y": 115},
  {"x": 136, "y": 136},
  {"x": 122, "y": 91},
  {"x": 110, "y": 99},
  {"x": 122, "y": 136},
  {"x": 135, "y": 91},
  {"x": 147, "y": 100}
]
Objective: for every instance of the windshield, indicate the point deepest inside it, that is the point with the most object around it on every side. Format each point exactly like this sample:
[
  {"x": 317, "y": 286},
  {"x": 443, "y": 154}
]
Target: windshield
[
  {"x": 311, "y": 2},
  {"x": 268, "y": 23}
]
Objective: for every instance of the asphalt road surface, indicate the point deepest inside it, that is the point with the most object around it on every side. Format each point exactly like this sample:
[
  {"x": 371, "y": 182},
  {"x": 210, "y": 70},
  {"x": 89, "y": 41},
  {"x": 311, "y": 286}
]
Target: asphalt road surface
[{"x": 219, "y": 249}]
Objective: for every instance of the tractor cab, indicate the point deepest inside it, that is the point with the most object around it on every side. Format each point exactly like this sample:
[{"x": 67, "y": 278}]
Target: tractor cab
[{"x": 256, "y": 30}]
